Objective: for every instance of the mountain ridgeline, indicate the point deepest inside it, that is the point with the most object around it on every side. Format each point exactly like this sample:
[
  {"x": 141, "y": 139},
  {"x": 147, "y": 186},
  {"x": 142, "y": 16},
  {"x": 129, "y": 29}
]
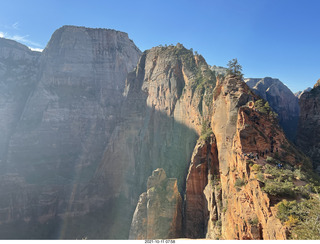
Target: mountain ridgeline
[{"x": 103, "y": 141}]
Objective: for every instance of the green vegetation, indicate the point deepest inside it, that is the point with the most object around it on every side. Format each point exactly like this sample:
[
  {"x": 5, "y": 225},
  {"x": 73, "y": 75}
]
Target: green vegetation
[
  {"x": 302, "y": 218},
  {"x": 206, "y": 130},
  {"x": 239, "y": 183},
  {"x": 256, "y": 167},
  {"x": 280, "y": 183},
  {"x": 263, "y": 107},
  {"x": 254, "y": 221},
  {"x": 234, "y": 68}
]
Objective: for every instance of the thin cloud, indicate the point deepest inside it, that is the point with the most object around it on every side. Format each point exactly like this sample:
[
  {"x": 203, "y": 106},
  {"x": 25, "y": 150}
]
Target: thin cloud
[
  {"x": 15, "y": 26},
  {"x": 23, "y": 39}
]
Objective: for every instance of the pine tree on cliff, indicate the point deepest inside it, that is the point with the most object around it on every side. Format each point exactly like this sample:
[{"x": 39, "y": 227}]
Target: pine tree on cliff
[{"x": 234, "y": 68}]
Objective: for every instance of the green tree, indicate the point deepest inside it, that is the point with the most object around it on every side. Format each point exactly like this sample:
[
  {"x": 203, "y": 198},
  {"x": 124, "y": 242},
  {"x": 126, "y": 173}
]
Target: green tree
[{"x": 234, "y": 68}]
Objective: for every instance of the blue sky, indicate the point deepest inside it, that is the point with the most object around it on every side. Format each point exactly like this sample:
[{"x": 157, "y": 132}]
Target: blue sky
[{"x": 275, "y": 38}]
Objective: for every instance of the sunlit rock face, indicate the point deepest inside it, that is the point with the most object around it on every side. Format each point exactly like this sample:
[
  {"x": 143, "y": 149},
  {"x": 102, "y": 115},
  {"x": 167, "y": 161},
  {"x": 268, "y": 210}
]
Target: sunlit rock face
[{"x": 282, "y": 101}]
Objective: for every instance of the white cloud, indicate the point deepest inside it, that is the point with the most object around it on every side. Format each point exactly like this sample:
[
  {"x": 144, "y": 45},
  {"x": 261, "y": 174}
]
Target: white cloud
[{"x": 1, "y": 35}]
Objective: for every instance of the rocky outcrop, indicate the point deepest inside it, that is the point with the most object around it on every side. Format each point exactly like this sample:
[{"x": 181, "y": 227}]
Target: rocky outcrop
[
  {"x": 282, "y": 101},
  {"x": 309, "y": 125},
  {"x": 158, "y": 212}
]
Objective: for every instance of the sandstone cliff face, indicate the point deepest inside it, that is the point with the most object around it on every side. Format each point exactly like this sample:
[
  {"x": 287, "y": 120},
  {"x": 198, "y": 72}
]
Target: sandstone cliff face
[
  {"x": 309, "y": 125},
  {"x": 59, "y": 116},
  {"x": 222, "y": 198},
  {"x": 159, "y": 124},
  {"x": 246, "y": 211},
  {"x": 282, "y": 101},
  {"x": 158, "y": 212}
]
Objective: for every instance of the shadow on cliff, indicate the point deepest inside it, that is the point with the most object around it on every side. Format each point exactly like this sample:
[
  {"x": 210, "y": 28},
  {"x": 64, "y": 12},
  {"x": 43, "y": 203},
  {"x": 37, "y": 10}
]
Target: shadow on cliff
[
  {"x": 146, "y": 140},
  {"x": 153, "y": 141}
]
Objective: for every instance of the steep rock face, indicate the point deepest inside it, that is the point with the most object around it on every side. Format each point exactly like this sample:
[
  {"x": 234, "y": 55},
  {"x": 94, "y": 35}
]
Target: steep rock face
[
  {"x": 158, "y": 212},
  {"x": 282, "y": 101},
  {"x": 309, "y": 125},
  {"x": 68, "y": 120},
  {"x": 18, "y": 71},
  {"x": 159, "y": 125},
  {"x": 67, "y": 114}
]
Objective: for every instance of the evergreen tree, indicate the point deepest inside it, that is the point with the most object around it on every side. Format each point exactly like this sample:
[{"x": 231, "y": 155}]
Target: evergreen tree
[{"x": 234, "y": 68}]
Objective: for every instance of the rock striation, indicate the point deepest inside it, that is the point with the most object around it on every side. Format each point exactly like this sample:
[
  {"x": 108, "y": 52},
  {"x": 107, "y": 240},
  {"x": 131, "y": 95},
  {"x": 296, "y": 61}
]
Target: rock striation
[
  {"x": 281, "y": 100},
  {"x": 158, "y": 212},
  {"x": 309, "y": 125}
]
